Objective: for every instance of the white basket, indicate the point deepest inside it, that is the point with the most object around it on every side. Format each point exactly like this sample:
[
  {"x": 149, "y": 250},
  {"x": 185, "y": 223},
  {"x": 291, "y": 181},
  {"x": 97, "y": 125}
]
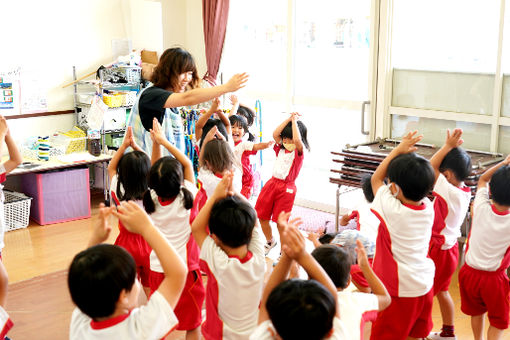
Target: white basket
[{"x": 16, "y": 210}]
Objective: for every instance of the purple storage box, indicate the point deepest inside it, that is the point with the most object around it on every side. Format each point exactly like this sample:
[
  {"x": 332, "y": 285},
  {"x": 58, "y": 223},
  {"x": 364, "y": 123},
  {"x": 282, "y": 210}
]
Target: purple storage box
[{"x": 58, "y": 196}]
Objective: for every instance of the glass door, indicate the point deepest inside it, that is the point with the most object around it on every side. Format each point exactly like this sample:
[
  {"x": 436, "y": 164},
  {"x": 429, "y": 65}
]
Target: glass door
[{"x": 317, "y": 58}]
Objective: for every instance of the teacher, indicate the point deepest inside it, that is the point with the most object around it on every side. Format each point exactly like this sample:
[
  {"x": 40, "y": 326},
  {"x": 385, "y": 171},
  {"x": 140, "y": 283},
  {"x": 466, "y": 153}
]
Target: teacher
[{"x": 175, "y": 84}]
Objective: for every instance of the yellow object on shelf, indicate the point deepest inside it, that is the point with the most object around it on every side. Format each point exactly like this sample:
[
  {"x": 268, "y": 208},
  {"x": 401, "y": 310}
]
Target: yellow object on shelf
[
  {"x": 113, "y": 100},
  {"x": 74, "y": 140}
]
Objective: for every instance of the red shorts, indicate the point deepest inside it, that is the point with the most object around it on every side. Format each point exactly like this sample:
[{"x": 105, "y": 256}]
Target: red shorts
[
  {"x": 276, "y": 196},
  {"x": 189, "y": 307},
  {"x": 357, "y": 275},
  {"x": 446, "y": 262},
  {"x": 482, "y": 291},
  {"x": 136, "y": 245},
  {"x": 406, "y": 316}
]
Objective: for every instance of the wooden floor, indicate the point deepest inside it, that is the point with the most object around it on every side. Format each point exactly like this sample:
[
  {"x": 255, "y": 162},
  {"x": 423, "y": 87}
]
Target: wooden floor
[{"x": 37, "y": 258}]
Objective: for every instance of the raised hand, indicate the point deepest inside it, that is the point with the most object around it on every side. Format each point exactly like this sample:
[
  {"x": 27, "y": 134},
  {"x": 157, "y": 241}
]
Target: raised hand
[
  {"x": 237, "y": 82},
  {"x": 102, "y": 228},
  {"x": 133, "y": 218},
  {"x": 157, "y": 135},
  {"x": 293, "y": 242},
  {"x": 408, "y": 142},
  {"x": 233, "y": 99},
  {"x": 454, "y": 139},
  {"x": 362, "y": 255},
  {"x": 224, "y": 187}
]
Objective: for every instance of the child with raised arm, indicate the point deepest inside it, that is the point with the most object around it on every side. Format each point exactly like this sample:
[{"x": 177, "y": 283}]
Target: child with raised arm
[
  {"x": 279, "y": 192},
  {"x": 295, "y": 308},
  {"x": 452, "y": 165},
  {"x": 102, "y": 282},
  {"x": 14, "y": 160},
  {"x": 128, "y": 172},
  {"x": 483, "y": 280},
  {"x": 355, "y": 308},
  {"x": 233, "y": 258},
  {"x": 401, "y": 259},
  {"x": 168, "y": 202}
]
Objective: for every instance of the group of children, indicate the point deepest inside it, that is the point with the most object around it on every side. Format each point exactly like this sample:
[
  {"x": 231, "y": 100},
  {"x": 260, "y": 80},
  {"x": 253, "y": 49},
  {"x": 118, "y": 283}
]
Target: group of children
[{"x": 175, "y": 226}]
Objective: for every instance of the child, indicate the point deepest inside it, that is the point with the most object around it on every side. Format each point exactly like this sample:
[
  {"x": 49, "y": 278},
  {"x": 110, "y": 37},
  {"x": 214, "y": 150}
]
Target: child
[
  {"x": 482, "y": 279},
  {"x": 233, "y": 258},
  {"x": 298, "y": 309},
  {"x": 243, "y": 150},
  {"x": 401, "y": 260},
  {"x": 279, "y": 192},
  {"x": 451, "y": 166},
  {"x": 102, "y": 282},
  {"x": 355, "y": 308},
  {"x": 206, "y": 123},
  {"x": 14, "y": 160},
  {"x": 241, "y": 110},
  {"x": 128, "y": 181},
  {"x": 168, "y": 202}
]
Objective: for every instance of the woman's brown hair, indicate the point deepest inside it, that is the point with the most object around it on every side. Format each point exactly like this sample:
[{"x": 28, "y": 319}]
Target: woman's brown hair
[{"x": 172, "y": 63}]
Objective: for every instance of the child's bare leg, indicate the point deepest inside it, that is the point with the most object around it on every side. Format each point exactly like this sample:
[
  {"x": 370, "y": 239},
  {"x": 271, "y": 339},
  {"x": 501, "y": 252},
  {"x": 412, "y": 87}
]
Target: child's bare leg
[
  {"x": 266, "y": 229},
  {"x": 194, "y": 334},
  {"x": 4, "y": 281},
  {"x": 447, "y": 307},
  {"x": 477, "y": 323},
  {"x": 494, "y": 333}
]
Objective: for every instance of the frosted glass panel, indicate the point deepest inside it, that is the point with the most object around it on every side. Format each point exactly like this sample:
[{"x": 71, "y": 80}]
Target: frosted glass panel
[
  {"x": 445, "y": 91},
  {"x": 504, "y": 140},
  {"x": 476, "y": 136},
  {"x": 505, "y": 101},
  {"x": 453, "y": 35},
  {"x": 332, "y": 48}
]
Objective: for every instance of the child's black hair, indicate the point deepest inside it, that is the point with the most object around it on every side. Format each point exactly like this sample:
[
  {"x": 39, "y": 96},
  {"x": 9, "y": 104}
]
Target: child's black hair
[
  {"x": 413, "y": 174},
  {"x": 459, "y": 162},
  {"x": 500, "y": 186},
  {"x": 301, "y": 309},
  {"x": 132, "y": 171},
  {"x": 247, "y": 113},
  {"x": 212, "y": 122},
  {"x": 287, "y": 133},
  {"x": 366, "y": 186},
  {"x": 242, "y": 123},
  {"x": 97, "y": 276},
  {"x": 217, "y": 156},
  {"x": 232, "y": 221},
  {"x": 336, "y": 262},
  {"x": 166, "y": 179},
  {"x": 327, "y": 238}
]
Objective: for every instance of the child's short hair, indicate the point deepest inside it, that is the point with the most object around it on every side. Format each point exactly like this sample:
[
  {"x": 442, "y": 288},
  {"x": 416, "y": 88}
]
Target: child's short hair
[
  {"x": 500, "y": 186},
  {"x": 327, "y": 238},
  {"x": 301, "y": 309},
  {"x": 247, "y": 113},
  {"x": 97, "y": 276},
  {"x": 217, "y": 156},
  {"x": 287, "y": 133},
  {"x": 336, "y": 262},
  {"x": 132, "y": 171},
  {"x": 366, "y": 186},
  {"x": 413, "y": 174},
  {"x": 459, "y": 162},
  {"x": 232, "y": 221},
  {"x": 241, "y": 122},
  {"x": 212, "y": 122},
  {"x": 166, "y": 178}
]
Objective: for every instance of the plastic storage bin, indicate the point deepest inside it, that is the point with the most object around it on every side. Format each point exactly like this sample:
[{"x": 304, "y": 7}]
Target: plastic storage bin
[
  {"x": 16, "y": 210},
  {"x": 58, "y": 196}
]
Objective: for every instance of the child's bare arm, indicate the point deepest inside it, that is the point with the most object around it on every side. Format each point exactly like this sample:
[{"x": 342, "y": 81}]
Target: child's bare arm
[
  {"x": 199, "y": 125},
  {"x": 102, "y": 228},
  {"x": 235, "y": 105},
  {"x": 374, "y": 282},
  {"x": 279, "y": 129},
  {"x": 137, "y": 221},
  {"x": 224, "y": 119},
  {"x": 262, "y": 146},
  {"x": 296, "y": 135},
  {"x": 487, "y": 175},
  {"x": 405, "y": 146},
  {"x": 453, "y": 140},
  {"x": 198, "y": 228},
  {"x": 15, "y": 158},
  {"x": 160, "y": 139},
  {"x": 114, "y": 162}
]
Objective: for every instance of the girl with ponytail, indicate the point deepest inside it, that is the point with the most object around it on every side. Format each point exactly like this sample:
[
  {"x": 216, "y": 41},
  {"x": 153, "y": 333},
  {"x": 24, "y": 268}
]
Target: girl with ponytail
[{"x": 168, "y": 201}]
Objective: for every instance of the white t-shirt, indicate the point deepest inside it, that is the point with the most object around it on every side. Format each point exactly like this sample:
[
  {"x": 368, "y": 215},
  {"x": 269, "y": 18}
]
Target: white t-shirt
[
  {"x": 352, "y": 307},
  {"x": 173, "y": 221},
  {"x": 152, "y": 321},
  {"x": 266, "y": 331},
  {"x": 450, "y": 205},
  {"x": 234, "y": 289},
  {"x": 209, "y": 180},
  {"x": 368, "y": 222},
  {"x": 239, "y": 149},
  {"x": 401, "y": 253},
  {"x": 489, "y": 240}
]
